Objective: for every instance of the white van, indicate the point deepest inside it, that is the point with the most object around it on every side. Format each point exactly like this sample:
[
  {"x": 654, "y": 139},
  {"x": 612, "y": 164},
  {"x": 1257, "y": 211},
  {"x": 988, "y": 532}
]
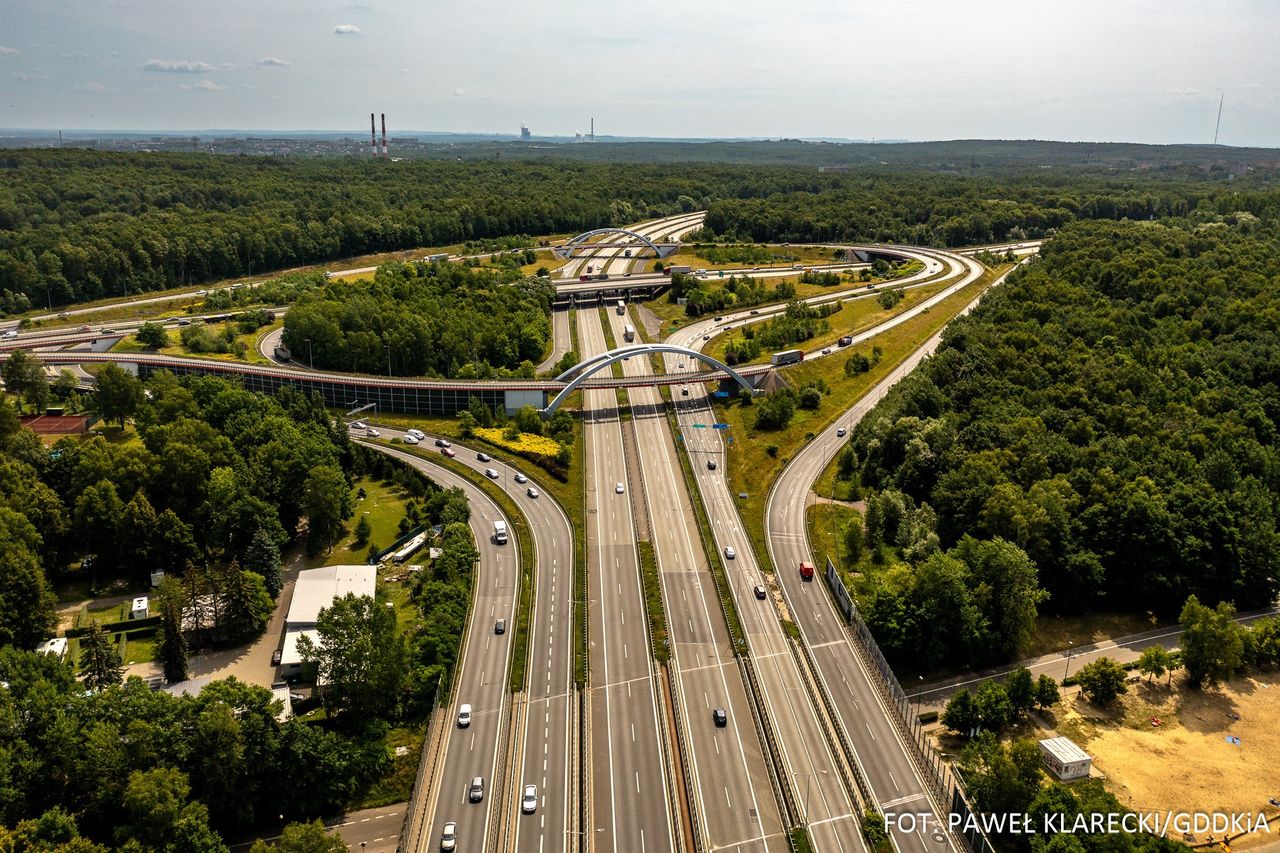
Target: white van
[
  {"x": 464, "y": 715},
  {"x": 500, "y": 532}
]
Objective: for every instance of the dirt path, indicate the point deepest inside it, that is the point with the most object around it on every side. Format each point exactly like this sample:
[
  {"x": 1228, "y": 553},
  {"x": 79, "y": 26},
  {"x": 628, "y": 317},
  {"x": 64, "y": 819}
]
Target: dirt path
[{"x": 250, "y": 663}]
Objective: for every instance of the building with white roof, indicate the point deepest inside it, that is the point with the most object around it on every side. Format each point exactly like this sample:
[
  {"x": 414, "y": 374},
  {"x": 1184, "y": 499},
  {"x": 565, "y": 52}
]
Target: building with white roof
[{"x": 315, "y": 590}]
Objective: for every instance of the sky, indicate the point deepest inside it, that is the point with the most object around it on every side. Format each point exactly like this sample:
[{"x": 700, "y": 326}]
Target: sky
[{"x": 1077, "y": 70}]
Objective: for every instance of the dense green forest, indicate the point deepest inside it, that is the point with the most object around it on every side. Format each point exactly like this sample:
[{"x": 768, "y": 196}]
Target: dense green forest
[
  {"x": 420, "y": 319},
  {"x": 1110, "y": 413},
  {"x": 78, "y": 225},
  {"x": 210, "y": 490}
]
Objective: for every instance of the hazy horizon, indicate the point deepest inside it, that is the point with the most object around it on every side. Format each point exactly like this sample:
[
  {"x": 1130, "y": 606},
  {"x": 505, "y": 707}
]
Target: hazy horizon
[{"x": 1075, "y": 71}]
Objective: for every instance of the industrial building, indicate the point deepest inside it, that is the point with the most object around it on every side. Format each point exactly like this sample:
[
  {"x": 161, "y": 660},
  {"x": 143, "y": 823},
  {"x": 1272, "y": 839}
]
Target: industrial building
[{"x": 315, "y": 590}]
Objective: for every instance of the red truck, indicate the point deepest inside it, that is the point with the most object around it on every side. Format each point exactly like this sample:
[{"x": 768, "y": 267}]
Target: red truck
[{"x": 806, "y": 570}]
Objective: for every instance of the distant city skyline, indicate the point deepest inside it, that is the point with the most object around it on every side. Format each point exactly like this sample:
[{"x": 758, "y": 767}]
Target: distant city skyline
[{"x": 1076, "y": 70}]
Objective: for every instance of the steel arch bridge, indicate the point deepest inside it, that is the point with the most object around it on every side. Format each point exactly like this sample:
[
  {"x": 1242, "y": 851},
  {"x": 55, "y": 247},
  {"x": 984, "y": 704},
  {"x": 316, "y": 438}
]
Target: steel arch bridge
[
  {"x": 580, "y": 242},
  {"x": 589, "y": 367}
]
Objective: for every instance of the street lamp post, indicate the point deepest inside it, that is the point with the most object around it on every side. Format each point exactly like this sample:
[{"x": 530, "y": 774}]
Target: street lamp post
[
  {"x": 1070, "y": 647},
  {"x": 310, "y": 358},
  {"x": 387, "y": 347}
]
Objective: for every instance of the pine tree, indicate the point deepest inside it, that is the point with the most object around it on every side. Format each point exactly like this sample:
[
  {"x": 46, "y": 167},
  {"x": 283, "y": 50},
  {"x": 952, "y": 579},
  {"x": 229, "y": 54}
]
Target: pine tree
[
  {"x": 363, "y": 530},
  {"x": 263, "y": 556},
  {"x": 99, "y": 658},
  {"x": 246, "y": 604},
  {"x": 171, "y": 643}
]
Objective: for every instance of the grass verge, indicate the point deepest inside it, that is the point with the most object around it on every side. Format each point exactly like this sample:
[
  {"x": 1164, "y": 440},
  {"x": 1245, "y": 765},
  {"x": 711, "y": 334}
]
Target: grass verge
[
  {"x": 855, "y": 316},
  {"x": 528, "y": 559},
  {"x": 733, "y": 622},
  {"x": 658, "y": 637},
  {"x": 756, "y": 457},
  {"x": 571, "y": 496}
]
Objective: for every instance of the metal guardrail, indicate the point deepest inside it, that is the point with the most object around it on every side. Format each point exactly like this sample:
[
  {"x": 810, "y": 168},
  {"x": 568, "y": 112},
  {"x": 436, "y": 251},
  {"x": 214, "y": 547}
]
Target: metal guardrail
[
  {"x": 512, "y": 735},
  {"x": 577, "y": 777},
  {"x": 827, "y": 720},
  {"x": 432, "y": 743},
  {"x": 946, "y": 795},
  {"x": 764, "y": 729},
  {"x": 690, "y": 795}
]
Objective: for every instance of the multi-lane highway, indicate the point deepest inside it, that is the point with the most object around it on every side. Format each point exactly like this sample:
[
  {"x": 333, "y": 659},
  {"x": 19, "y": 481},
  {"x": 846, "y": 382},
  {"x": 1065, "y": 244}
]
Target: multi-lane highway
[
  {"x": 730, "y": 785},
  {"x": 705, "y": 444},
  {"x": 546, "y": 726},
  {"x": 481, "y": 678},
  {"x": 888, "y": 761},
  {"x": 631, "y": 807}
]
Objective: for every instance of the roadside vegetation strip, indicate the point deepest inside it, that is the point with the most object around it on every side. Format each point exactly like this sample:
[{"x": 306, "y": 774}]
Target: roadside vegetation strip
[
  {"x": 528, "y": 558},
  {"x": 570, "y": 495},
  {"x": 658, "y": 637},
  {"x": 609, "y": 341},
  {"x": 861, "y": 310},
  {"x": 728, "y": 607},
  {"x": 756, "y": 457}
]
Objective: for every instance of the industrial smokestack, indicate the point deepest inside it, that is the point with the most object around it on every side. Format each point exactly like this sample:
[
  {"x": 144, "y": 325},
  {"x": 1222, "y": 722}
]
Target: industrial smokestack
[
  {"x": 384, "y": 134},
  {"x": 373, "y": 135}
]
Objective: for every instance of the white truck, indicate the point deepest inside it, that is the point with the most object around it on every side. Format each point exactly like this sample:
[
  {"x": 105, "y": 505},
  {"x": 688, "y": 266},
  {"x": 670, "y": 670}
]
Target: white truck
[{"x": 500, "y": 532}]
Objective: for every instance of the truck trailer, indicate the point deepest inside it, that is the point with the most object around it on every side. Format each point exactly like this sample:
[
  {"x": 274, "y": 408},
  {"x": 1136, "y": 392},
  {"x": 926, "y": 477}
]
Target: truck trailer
[{"x": 788, "y": 356}]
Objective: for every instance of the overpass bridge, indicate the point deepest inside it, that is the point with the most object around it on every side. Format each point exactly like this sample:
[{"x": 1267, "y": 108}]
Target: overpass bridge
[
  {"x": 635, "y": 241},
  {"x": 419, "y": 396}
]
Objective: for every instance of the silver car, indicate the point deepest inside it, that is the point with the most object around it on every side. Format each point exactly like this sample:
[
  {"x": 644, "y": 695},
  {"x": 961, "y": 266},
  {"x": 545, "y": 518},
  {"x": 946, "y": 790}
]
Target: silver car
[
  {"x": 476, "y": 792},
  {"x": 529, "y": 803},
  {"x": 449, "y": 838}
]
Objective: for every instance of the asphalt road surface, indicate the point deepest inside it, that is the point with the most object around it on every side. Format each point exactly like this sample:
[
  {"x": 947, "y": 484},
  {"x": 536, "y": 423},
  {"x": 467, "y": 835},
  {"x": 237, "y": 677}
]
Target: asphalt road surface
[
  {"x": 730, "y": 778},
  {"x": 481, "y": 675},
  {"x": 630, "y": 807}
]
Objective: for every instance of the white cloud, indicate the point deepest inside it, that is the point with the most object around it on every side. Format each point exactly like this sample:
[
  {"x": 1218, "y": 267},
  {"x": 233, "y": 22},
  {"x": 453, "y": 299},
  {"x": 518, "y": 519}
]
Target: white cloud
[
  {"x": 91, "y": 87},
  {"x": 4, "y": 49},
  {"x": 1185, "y": 92},
  {"x": 202, "y": 86},
  {"x": 458, "y": 93},
  {"x": 24, "y": 77},
  {"x": 346, "y": 29},
  {"x": 273, "y": 60},
  {"x": 182, "y": 66}
]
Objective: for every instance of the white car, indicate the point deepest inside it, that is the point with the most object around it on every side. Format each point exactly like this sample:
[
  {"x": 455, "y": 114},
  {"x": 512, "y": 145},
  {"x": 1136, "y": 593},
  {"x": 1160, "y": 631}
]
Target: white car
[
  {"x": 416, "y": 433},
  {"x": 520, "y": 478},
  {"x": 373, "y": 433},
  {"x": 529, "y": 803},
  {"x": 730, "y": 554},
  {"x": 359, "y": 425},
  {"x": 464, "y": 715},
  {"x": 490, "y": 473},
  {"x": 840, "y": 432},
  {"x": 410, "y": 439},
  {"x": 619, "y": 489},
  {"x": 533, "y": 493},
  {"x": 448, "y": 838}
]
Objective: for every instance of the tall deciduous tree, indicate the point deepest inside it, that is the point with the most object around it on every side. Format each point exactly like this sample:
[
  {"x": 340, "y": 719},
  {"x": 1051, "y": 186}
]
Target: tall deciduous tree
[
  {"x": 326, "y": 499},
  {"x": 1212, "y": 642},
  {"x": 119, "y": 394},
  {"x": 1102, "y": 681},
  {"x": 358, "y": 657},
  {"x": 27, "y": 605}
]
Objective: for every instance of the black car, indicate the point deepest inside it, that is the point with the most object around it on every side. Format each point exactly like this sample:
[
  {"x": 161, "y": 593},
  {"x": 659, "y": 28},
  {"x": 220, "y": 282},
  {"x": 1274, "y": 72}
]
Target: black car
[
  {"x": 720, "y": 717},
  {"x": 500, "y": 627},
  {"x": 275, "y": 657}
]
